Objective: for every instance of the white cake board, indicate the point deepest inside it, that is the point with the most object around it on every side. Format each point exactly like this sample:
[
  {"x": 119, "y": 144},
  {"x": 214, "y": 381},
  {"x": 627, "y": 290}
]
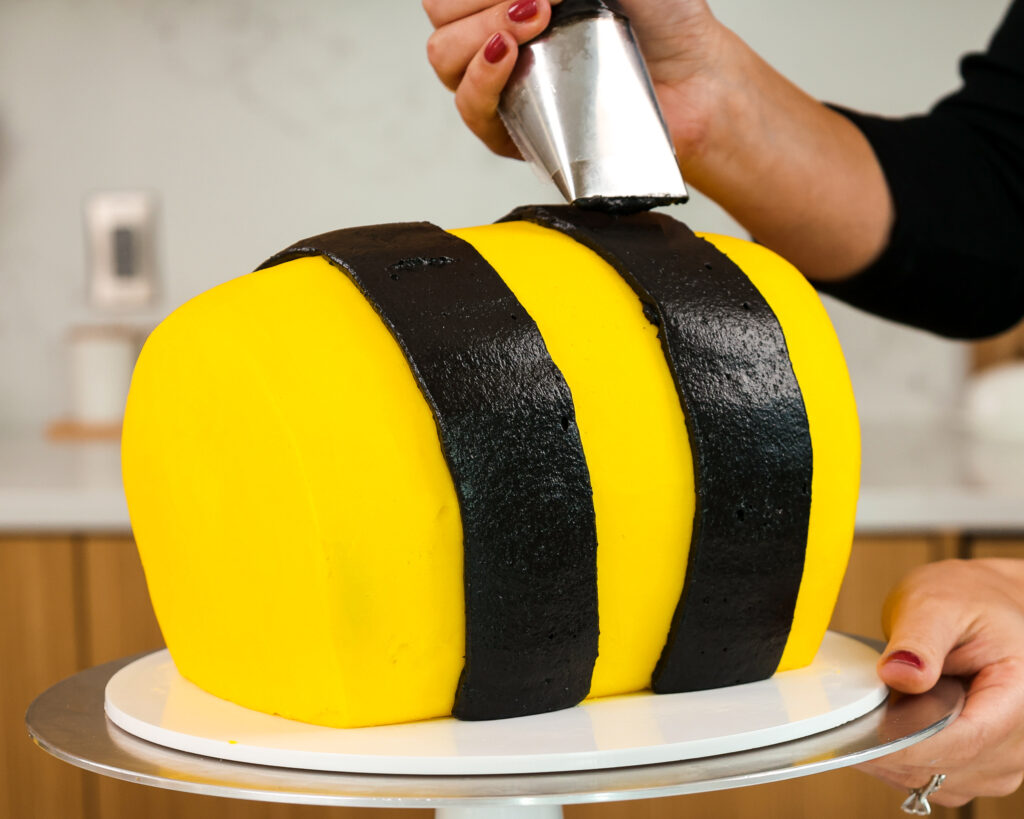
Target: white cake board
[{"x": 150, "y": 699}]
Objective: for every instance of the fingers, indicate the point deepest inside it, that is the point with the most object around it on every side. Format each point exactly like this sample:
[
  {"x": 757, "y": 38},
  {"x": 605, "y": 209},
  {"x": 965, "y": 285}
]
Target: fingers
[
  {"x": 964, "y": 619},
  {"x": 453, "y": 45},
  {"x": 955, "y": 791},
  {"x": 924, "y": 624},
  {"x": 474, "y": 50},
  {"x": 479, "y": 92},
  {"x": 981, "y": 752},
  {"x": 442, "y": 12},
  {"x": 953, "y": 795},
  {"x": 984, "y": 733}
]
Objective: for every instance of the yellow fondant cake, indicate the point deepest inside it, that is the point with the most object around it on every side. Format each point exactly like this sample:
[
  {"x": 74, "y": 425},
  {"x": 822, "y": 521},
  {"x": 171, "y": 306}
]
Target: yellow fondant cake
[{"x": 298, "y": 523}]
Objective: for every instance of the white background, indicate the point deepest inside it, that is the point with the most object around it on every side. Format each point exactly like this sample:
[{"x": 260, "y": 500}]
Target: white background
[{"x": 258, "y": 123}]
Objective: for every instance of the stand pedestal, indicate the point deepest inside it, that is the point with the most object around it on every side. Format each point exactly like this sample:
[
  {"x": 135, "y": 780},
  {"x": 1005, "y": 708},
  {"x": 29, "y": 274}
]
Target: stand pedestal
[{"x": 500, "y": 812}]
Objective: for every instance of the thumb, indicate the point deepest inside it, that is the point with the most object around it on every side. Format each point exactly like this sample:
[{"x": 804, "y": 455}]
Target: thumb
[{"x": 922, "y": 630}]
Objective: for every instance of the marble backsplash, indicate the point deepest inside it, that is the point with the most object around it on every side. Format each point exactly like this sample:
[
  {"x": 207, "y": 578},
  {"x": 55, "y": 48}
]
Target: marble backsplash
[{"x": 256, "y": 123}]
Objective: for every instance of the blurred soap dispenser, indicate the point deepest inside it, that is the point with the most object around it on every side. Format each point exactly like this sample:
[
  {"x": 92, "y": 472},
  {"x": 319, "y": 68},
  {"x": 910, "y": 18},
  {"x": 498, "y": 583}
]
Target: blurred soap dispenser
[
  {"x": 120, "y": 231},
  {"x": 121, "y": 285}
]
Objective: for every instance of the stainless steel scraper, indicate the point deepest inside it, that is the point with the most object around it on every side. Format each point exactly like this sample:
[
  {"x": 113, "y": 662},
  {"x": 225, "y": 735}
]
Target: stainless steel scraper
[{"x": 581, "y": 108}]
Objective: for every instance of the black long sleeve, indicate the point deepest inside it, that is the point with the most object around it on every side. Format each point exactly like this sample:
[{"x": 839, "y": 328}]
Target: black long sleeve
[{"x": 954, "y": 263}]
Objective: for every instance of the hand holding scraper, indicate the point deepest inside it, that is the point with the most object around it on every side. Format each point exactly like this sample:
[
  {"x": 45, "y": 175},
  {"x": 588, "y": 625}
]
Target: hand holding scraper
[{"x": 581, "y": 108}]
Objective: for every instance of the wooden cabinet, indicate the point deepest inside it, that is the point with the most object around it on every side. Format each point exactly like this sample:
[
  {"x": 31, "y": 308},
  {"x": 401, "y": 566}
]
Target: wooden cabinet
[
  {"x": 40, "y": 639},
  {"x": 1001, "y": 349},
  {"x": 71, "y": 603}
]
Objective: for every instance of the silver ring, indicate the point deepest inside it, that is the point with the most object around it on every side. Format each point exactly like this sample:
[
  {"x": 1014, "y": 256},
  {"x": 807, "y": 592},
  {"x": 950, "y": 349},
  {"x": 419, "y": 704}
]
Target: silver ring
[{"x": 917, "y": 803}]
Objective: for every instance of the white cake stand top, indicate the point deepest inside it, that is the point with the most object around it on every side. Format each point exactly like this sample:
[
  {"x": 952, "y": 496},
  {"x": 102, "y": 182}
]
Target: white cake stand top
[
  {"x": 150, "y": 699},
  {"x": 68, "y": 720}
]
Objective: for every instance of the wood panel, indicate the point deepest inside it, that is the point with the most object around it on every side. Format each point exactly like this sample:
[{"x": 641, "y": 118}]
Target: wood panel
[
  {"x": 998, "y": 547},
  {"x": 118, "y": 616},
  {"x": 116, "y": 620},
  {"x": 120, "y": 621},
  {"x": 1007, "y": 807},
  {"x": 1006, "y": 347},
  {"x": 38, "y": 647},
  {"x": 131, "y": 801}
]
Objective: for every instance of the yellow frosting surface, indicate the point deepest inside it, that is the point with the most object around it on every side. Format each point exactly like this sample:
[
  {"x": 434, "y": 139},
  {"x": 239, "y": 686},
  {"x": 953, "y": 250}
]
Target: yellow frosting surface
[
  {"x": 295, "y": 516},
  {"x": 296, "y": 520}
]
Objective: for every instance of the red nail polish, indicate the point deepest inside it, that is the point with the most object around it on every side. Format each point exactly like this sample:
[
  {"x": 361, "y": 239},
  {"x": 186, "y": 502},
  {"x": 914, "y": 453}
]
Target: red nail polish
[
  {"x": 495, "y": 49},
  {"x": 905, "y": 657},
  {"x": 522, "y": 10}
]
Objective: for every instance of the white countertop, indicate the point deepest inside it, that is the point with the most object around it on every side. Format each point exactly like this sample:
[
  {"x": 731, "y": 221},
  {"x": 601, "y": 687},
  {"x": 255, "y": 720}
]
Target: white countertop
[
  {"x": 916, "y": 478},
  {"x": 935, "y": 478},
  {"x": 60, "y": 487}
]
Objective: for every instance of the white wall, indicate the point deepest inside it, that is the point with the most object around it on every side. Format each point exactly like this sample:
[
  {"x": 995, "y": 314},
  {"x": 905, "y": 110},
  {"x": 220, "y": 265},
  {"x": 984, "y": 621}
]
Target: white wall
[{"x": 261, "y": 122}]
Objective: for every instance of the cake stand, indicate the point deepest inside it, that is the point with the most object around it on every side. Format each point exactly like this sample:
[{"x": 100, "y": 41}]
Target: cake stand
[{"x": 69, "y": 721}]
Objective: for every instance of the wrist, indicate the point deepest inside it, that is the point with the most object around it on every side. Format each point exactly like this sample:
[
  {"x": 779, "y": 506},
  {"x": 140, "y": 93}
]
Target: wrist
[
  {"x": 799, "y": 176},
  {"x": 727, "y": 124}
]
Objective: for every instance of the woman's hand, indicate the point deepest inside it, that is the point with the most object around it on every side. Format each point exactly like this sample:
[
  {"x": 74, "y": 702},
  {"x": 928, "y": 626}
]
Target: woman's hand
[
  {"x": 965, "y": 619},
  {"x": 800, "y": 177},
  {"x": 475, "y": 45}
]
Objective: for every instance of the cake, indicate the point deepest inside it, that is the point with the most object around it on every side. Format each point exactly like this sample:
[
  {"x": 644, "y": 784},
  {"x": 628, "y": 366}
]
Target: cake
[{"x": 400, "y": 473}]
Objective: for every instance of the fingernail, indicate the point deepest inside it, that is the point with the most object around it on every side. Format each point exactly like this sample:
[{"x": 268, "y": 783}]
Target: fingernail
[
  {"x": 522, "y": 10},
  {"x": 905, "y": 657},
  {"x": 495, "y": 48}
]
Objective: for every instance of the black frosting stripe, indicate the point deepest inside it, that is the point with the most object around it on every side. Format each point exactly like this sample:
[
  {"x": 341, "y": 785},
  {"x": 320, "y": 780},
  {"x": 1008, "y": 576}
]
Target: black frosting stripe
[
  {"x": 508, "y": 430},
  {"x": 748, "y": 432}
]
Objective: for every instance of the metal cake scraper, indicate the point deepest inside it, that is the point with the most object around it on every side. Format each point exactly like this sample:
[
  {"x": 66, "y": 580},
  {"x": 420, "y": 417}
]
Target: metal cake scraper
[{"x": 581, "y": 108}]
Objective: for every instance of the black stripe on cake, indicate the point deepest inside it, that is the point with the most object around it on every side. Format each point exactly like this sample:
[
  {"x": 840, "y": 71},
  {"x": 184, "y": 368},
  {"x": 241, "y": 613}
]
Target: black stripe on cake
[
  {"x": 748, "y": 432},
  {"x": 507, "y": 427}
]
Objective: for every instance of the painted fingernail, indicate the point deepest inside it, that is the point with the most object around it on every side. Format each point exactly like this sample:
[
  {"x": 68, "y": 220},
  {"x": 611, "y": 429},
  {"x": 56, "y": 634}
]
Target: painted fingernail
[
  {"x": 495, "y": 49},
  {"x": 522, "y": 10},
  {"x": 905, "y": 657}
]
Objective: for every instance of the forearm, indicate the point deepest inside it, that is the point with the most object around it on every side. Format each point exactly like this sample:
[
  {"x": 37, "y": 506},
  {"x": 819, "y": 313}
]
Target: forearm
[{"x": 800, "y": 177}]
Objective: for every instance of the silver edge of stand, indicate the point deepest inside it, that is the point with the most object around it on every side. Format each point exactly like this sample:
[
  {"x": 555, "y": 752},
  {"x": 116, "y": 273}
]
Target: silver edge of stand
[{"x": 68, "y": 721}]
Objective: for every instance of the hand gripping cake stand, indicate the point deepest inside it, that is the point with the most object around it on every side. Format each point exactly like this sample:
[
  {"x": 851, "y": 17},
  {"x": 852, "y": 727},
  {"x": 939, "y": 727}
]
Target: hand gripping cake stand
[{"x": 830, "y": 715}]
